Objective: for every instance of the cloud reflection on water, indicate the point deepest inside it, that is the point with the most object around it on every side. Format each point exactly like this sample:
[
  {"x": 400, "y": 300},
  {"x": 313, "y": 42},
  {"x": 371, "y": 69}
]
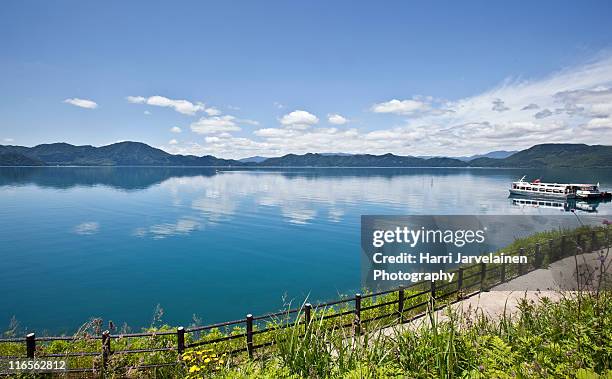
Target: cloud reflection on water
[
  {"x": 197, "y": 198},
  {"x": 87, "y": 228},
  {"x": 183, "y": 226},
  {"x": 302, "y": 199}
]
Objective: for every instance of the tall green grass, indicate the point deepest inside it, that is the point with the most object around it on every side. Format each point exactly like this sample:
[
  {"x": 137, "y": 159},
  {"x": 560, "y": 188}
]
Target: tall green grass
[{"x": 565, "y": 339}]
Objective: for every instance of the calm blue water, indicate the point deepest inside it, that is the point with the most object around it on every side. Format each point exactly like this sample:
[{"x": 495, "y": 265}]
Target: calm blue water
[{"x": 77, "y": 243}]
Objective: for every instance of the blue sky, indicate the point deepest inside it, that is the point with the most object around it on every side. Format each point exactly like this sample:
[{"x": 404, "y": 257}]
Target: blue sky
[{"x": 246, "y": 78}]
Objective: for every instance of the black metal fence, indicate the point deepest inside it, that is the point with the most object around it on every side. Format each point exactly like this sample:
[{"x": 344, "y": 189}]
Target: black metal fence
[{"x": 407, "y": 303}]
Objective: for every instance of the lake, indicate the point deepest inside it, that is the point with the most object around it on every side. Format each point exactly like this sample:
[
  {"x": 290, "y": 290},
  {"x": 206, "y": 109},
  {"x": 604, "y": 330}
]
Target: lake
[{"x": 113, "y": 242}]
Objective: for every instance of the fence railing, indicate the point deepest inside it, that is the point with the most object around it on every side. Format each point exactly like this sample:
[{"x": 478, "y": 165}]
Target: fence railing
[{"x": 408, "y": 303}]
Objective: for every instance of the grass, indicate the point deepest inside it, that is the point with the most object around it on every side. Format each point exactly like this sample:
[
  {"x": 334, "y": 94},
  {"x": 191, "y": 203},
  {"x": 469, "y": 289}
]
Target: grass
[{"x": 566, "y": 339}]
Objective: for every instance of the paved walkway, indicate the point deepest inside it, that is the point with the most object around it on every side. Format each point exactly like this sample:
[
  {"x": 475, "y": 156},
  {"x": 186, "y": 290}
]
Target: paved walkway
[{"x": 554, "y": 282}]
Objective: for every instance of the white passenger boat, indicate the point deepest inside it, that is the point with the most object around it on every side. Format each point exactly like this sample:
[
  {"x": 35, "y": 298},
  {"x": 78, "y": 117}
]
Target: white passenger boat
[{"x": 537, "y": 188}]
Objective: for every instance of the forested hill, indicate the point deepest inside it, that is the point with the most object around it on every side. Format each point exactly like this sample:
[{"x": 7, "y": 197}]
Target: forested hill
[
  {"x": 553, "y": 155},
  {"x": 117, "y": 154}
]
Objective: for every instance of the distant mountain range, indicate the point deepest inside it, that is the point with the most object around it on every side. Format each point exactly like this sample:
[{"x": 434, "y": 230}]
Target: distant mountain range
[
  {"x": 140, "y": 154},
  {"x": 255, "y": 159},
  {"x": 259, "y": 159},
  {"x": 499, "y": 154}
]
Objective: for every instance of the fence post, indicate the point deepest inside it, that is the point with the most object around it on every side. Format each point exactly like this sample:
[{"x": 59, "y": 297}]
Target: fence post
[
  {"x": 433, "y": 290},
  {"x": 483, "y": 274},
  {"x": 400, "y": 304},
  {"x": 563, "y": 250},
  {"x": 307, "y": 309},
  {"x": 502, "y": 272},
  {"x": 180, "y": 339},
  {"x": 357, "y": 321},
  {"x": 31, "y": 344},
  {"x": 551, "y": 253},
  {"x": 538, "y": 256},
  {"x": 521, "y": 266},
  {"x": 249, "y": 334},
  {"x": 106, "y": 347},
  {"x": 460, "y": 282},
  {"x": 593, "y": 240}
]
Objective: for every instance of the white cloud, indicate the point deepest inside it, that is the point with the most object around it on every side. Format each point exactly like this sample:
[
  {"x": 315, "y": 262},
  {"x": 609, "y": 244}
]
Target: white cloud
[
  {"x": 274, "y": 132},
  {"x": 147, "y": 113},
  {"x": 215, "y": 124},
  {"x": 600, "y": 124},
  {"x": 212, "y": 111},
  {"x": 499, "y": 106},
  {"x": 403, "y": 107},
  {"x": 596, "y": 102},
  {"x": 175, "y": 129},
  {"x": 543, "y": 114},
  {"x": 530, "y": 107},
  {"x": 81, "y": 103},
  {"x": 299, "y": 120},
  {"x": 87, "y": 228},
  {"x": 173, "y": 142},
  {"x": 336, "y": 119},
  {"x": 136, "y": 99},
  {"x": 9, "y": 140},
  {"x": 181, "y": 106},
  {"x": 247, "y": 121}
]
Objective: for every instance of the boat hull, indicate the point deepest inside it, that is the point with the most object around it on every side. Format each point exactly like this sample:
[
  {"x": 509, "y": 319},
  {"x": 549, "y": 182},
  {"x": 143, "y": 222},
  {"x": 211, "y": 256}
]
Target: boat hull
[
  {"x": 589, "y": 195},
  {"x": 540, "y": 194}
]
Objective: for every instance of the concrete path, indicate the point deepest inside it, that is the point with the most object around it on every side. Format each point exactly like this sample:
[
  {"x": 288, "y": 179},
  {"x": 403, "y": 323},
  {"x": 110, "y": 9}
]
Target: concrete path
[{"x": 554, "y": 282}]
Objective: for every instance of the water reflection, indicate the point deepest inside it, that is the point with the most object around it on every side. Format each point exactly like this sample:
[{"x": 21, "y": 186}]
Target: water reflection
[
  {"x": 568, "y": 205},
  {"x": 138, "y": 178},
  {"x": 183, "y": 226},
  {"x": 136, "y": 237},
  {"x": 300, "y": 197},
  {"x": 125, "y": 178},
  {"x": 87, "y": 228}
]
